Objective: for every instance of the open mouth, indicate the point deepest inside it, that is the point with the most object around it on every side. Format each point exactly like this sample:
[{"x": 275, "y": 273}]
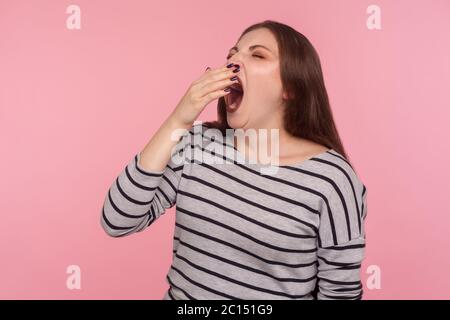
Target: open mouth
[{"x": 234, "y": 98}]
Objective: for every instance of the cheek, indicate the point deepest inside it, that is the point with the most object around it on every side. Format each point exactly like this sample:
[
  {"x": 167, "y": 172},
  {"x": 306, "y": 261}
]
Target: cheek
[
  {"x": 266, "y": 82},
  {"x": 266, "y": 91}
]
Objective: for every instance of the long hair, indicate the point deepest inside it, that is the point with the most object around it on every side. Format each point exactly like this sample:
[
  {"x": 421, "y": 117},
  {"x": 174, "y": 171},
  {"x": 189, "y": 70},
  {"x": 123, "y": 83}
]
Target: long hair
[{"x": 307, "y": 111}]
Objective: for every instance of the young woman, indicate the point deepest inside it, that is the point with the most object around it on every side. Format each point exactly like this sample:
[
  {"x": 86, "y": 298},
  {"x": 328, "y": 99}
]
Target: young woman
[{"x": 297, "y": 233}]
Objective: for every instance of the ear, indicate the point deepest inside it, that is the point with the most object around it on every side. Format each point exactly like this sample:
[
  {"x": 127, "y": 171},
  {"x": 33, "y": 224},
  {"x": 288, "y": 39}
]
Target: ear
[{"x": 286, "y": 96}]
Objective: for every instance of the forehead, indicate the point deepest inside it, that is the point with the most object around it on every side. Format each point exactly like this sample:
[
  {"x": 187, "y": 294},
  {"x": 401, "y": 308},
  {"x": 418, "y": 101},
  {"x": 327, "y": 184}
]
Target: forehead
[{"x": 260, "y": 36}]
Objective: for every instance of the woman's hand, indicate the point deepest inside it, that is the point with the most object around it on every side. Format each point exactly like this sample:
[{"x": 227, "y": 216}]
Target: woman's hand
[
  {"x": 210, "y": 86},
  {"x": 202, "y": 91}
]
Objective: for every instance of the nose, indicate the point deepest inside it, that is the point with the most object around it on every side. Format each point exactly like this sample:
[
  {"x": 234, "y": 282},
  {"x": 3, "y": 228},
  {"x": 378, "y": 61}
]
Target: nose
[{"x": 235, "y": 62}]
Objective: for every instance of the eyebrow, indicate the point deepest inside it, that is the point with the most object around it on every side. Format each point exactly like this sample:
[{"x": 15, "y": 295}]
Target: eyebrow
[{"x": 252, "y": 47}]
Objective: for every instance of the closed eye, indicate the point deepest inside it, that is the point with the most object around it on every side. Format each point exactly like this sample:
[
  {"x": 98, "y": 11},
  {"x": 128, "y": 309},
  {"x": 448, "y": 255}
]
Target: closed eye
[{"x": 255, "y": 55}]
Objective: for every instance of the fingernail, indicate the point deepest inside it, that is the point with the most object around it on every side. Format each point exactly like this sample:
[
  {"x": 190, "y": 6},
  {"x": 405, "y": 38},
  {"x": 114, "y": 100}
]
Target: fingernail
[
  {"x": 230, "y": 65},
  {"x": 234, "y": 78},
  {"x": 226, "y": 89},
  {"x": 236, "y": 70}
]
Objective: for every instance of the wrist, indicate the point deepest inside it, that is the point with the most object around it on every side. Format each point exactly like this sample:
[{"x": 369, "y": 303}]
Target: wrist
[{"x": 175, "y": 123}]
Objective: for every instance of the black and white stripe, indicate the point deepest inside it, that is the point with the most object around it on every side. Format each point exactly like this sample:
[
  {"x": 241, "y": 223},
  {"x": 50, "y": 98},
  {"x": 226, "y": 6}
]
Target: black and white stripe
[{"x": 240, "y": 234}]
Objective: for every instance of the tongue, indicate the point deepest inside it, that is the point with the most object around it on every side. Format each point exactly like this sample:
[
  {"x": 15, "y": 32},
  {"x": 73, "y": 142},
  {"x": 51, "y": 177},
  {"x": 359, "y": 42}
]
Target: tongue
[{"x": 236, "y": 99}]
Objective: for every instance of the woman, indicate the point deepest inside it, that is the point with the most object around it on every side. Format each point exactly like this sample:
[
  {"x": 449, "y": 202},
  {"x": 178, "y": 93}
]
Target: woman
[{"x": 295, "y": 233}]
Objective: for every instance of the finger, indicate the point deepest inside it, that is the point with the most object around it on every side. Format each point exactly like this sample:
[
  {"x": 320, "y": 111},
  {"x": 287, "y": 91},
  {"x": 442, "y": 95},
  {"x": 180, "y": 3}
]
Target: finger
[
  {"x": 213, "y": 95},
  {"x": 216, "y": 85},
  {"x": 211, "y": 78},
  {"x": 224, "y": 67},
  {"x": 217, "y": 78},
  {"x": 216, "y": 74}
]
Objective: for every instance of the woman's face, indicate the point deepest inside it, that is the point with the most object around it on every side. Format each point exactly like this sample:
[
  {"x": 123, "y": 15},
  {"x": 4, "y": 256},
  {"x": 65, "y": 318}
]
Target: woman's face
[{"x": 260, "y": 77}]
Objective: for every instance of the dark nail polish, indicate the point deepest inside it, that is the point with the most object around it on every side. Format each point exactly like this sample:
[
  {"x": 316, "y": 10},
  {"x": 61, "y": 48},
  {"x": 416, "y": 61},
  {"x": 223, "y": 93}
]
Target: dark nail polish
[
  {"x": 236, "y": 70},
  {"x": 230, "y": 65},
  {"x": 227, "y": 89},
  {"x": 234, "y": 78}
]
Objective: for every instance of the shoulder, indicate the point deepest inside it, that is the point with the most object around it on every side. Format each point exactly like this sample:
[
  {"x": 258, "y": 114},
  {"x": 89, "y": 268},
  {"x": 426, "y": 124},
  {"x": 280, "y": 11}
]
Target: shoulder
[
  {"x": 204, "y": 130},
  {"x": 189, "y": 136},
  {"x": 344, "y": 202},
  {"x": 207, "y": 134},
  {"x": 338, "y": 171},
  {"x": 201, "y": 137}
]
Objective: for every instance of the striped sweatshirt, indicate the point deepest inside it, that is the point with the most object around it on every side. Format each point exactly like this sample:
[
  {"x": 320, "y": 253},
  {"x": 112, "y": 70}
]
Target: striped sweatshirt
[{"x": 243, "y": 234}]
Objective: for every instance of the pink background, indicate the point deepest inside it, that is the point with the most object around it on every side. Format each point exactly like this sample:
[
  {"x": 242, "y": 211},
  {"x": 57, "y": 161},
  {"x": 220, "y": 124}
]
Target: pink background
[{"x": 75, "y": 105}]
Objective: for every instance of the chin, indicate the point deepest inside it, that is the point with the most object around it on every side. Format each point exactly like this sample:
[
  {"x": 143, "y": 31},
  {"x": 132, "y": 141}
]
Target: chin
[{"x": 237, "y": 120}]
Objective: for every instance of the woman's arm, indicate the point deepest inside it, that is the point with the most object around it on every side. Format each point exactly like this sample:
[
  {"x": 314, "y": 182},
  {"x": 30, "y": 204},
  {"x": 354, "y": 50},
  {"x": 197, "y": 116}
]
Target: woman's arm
[
  {"x": 342, "y": 243},
  {"x": 339, "y": 271},
  {"x": 156, "y": 154},
  {"x": 148, "y": 184}
]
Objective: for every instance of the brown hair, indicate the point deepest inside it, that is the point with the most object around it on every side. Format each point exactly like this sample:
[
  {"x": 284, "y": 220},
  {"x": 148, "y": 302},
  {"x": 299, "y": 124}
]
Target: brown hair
[{"x": 307, "y": 112}]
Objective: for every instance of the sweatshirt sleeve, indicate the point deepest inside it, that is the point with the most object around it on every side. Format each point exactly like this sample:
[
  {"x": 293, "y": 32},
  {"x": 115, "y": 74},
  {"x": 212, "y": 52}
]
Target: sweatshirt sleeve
[
  {"x": 342, "y": 241},
  {"x": 138, "y": 197}
]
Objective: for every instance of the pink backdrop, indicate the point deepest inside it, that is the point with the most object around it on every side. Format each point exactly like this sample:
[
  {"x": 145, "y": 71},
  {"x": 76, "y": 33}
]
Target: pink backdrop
[{"x": 75, "y": 105}]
